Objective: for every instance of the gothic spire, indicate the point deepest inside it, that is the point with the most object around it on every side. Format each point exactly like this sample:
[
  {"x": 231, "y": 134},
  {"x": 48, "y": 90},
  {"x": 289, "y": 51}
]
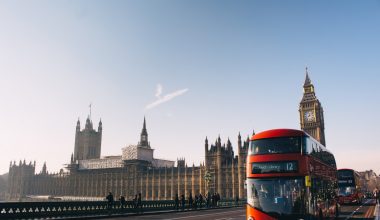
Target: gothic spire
[
  {"x": 307, "y": 79},
  {"x": 100, "y": 126},
  {"x": 78, "y": 125},
  {"x": 206, "y": 145},
  {"x": 144, "y": 126},
  {"x": 90, "y": 110},
  {"x": 44, "y": 169},
  {"x": 144, "y": 136},
  {"x": 144, "y": 131},
  {"x": 88, "y": 125}
]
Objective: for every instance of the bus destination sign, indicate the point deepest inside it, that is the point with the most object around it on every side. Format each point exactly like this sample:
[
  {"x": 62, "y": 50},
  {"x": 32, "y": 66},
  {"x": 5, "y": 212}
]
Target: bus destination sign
[
  {"x": 346, "y": 181},
  {"x": 275, "y": 167}
]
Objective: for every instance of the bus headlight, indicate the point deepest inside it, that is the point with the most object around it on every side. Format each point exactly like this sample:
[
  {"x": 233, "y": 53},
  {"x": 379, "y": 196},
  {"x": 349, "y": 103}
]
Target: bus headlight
[{"x": 251, "y": 218}]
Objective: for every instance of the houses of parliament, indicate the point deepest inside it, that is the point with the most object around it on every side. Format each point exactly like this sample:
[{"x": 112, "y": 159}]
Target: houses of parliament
[{"x": 136, "y": 170}]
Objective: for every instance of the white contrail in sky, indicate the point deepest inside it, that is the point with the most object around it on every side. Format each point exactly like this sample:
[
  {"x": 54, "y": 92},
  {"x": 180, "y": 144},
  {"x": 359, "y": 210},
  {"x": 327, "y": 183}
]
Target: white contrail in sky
[{"x": 165, "y": 98}]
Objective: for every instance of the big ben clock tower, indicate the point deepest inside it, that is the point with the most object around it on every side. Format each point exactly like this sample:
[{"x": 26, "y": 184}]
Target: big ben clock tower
[{"x": 311, "y": 112}]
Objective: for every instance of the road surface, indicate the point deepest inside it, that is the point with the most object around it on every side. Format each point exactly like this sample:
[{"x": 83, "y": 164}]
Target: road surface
[{"x": 364, "y": 211}]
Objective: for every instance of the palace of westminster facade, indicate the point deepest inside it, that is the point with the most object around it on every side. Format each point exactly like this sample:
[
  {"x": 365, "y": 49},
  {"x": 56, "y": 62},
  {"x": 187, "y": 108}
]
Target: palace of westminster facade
[{"x": 137, "y": 171}]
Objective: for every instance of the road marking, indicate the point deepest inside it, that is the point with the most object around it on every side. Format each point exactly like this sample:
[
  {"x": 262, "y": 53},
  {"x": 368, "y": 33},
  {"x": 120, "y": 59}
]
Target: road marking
[
  {"x": 369, "y": 212},
  {"x": 353, "y": 213},
  {"x": 230, "y": 218},
  {"x": 194, "y": 216}
]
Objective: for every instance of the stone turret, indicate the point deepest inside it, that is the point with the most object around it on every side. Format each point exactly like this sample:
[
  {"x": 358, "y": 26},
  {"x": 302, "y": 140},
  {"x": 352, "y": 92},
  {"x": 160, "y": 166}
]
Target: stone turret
[
  {"x": 88, "y": 141},
  {"x": 19, "y": 179}
]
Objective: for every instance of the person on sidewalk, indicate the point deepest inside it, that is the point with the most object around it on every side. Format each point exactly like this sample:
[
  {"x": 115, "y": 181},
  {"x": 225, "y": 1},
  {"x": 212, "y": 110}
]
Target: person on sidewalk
[
  {"x": 110, "y": 200},
  {"x": 122, "y": 202},
  {"x": 183, "y": 202},
  {"x": 176, "y": 200},
  {"x": 139, "y": 204}
]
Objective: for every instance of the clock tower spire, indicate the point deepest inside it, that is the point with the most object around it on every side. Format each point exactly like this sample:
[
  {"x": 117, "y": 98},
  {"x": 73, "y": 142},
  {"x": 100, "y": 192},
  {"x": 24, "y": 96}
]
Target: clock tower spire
[
  {"x": 311, "y": 112},
  {"x": 144, "y": 137}
]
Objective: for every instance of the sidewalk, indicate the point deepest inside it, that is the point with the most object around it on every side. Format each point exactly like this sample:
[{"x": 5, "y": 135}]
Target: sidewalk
[
  {"x": 119, "y": 215},
  {"x": 376, "y": 213}
]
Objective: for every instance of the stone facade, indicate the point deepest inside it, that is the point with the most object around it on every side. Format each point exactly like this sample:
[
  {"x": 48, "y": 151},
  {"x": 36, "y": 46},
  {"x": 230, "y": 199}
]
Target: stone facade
[
  {"x": 88, "y": 141},
  {"x": 135, "y": 171},
  {"x": 369, "y": 181}
]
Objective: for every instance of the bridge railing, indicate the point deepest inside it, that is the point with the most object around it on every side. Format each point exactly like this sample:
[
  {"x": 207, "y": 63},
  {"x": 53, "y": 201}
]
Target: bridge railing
[{"x": 21, "y": 210}]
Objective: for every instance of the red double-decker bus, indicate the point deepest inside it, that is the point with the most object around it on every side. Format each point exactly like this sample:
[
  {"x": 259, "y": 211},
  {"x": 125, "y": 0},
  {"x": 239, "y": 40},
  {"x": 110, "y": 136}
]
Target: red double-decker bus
[
  {"x": 350, "y": 190},
  {"x": 290, "y": 175}
]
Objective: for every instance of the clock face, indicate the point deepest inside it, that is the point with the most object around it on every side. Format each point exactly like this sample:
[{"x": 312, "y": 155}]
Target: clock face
[{"x": 309, "y": 116}]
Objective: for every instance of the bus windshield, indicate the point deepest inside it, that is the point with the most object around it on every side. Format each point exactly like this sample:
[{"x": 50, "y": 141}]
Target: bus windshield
[
  {"x": 346, "y": 191},
  {"x": 277, "y": 196},
  {"x": 276, "y": 146}
]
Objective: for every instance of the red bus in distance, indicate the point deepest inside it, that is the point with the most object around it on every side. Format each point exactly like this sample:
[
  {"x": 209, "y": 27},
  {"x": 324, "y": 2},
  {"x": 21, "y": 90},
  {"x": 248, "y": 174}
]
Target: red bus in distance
[
  {"x": 290, "y": 175},
  {"x": 350, "y": 190}
]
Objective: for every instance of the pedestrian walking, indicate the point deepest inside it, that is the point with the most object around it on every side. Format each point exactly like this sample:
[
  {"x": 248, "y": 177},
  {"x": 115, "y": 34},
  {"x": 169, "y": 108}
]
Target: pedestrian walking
[
  {"x": 190, "y": 201},
  {"x": 176, "y": 200},
  {"x": 110, "y": 200},
  {"x": 208, "y": 200},
  {"x": 213, "y": 200},
  {"x": 217, "y": 199},
  {"x": 122, "y": 201},
  {"x": 135, "y": 202},
  {"x": 183, "y": 202},
  {"x": 375, "y": 195},
  {"x": 200, "y": 200},
  {"x": 195, "y": 203},
  {"x": 139, "y": 204},
  {"x": 236, "y": 200}
]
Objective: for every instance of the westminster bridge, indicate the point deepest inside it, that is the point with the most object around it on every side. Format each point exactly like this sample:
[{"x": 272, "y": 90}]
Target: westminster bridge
[{"x": 100, "y": 209}]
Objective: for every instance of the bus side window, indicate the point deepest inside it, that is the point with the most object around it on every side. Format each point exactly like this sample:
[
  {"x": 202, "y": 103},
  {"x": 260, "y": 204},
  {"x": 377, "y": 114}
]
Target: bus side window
[
  {"x": 314, "y": 151},
  {"x": 309, "y": 147}
]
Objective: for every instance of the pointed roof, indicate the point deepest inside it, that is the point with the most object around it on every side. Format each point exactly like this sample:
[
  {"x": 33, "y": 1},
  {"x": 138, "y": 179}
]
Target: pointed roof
[
  {"x": 144, "y": 126},
  {"x": 88, "y": 125},
  {"x": 307, "y": 79},
  {"x": 144, "y": 131},
  {"x": 100, "y": 126}
]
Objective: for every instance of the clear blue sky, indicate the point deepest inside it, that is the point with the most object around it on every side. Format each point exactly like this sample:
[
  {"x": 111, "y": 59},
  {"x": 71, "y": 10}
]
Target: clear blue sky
[{"x": 233, "y": 66}]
